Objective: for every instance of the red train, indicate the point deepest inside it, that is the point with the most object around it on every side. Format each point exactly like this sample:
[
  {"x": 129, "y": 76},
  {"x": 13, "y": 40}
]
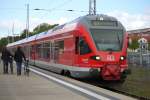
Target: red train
[{"x": 89, "y": 46}]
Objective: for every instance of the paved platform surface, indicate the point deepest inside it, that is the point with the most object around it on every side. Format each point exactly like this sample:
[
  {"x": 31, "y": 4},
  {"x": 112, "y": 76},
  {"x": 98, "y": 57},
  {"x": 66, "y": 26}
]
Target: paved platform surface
[{"x": 34, "y": 87}]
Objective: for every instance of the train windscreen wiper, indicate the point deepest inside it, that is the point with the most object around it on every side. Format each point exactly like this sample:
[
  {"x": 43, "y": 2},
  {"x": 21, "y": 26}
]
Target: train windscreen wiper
[{"x": 119, "y": 42}]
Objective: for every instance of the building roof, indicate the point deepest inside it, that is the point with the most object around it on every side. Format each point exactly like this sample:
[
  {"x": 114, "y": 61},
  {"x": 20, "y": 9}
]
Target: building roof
[{"x": 139, "y": 31}]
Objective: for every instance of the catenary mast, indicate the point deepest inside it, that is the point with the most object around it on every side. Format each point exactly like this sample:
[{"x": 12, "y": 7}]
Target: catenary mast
[{"x": 92, "y": 7}]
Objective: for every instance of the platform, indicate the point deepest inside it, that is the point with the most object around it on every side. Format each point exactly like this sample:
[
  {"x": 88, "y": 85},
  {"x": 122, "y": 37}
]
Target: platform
[
  {"x": 34, "y": 87},
  {"x": 45, "y": 86}
]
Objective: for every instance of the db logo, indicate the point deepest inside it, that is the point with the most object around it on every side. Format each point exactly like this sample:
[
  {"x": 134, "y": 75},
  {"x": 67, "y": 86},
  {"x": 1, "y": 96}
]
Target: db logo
[{"x": 110, "y": 58}]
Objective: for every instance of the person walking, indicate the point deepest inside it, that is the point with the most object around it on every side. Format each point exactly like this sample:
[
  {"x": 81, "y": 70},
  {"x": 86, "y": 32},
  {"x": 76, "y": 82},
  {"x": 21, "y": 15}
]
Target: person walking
[
  {"x": 18, "y": 57},
  {"x": 11, "y": 64},
  {"x": 5, "y": 58}
]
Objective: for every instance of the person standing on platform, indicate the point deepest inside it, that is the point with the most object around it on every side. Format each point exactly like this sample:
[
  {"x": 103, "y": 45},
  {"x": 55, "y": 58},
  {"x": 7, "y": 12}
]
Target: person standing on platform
[
  {"x": 5, "y": 57},
  {"x": 18, "y": 57},
  {"x": 11, "y": 64}
]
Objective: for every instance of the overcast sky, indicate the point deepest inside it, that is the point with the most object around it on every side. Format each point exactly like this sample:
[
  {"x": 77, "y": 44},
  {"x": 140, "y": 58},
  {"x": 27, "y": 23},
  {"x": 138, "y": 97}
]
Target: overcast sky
[{"x": 134, "y": 14}]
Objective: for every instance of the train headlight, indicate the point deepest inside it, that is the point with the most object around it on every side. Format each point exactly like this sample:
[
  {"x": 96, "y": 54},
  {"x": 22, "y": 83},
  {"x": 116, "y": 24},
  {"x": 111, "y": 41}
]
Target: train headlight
[
  {"x": 122, "y": 58},
  {"x": 95, "y": 57}
]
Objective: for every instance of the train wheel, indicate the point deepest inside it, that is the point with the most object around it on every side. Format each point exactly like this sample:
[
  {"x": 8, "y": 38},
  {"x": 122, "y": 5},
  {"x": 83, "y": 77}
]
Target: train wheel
[
  {"x": 121, "y": 81},
  {"x": 122, "y": 78},
  {"x": 67, "y": 73}
]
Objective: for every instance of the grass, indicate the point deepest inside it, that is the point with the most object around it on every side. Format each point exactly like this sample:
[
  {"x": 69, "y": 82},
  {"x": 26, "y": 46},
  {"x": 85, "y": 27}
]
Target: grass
[{"x": 138, "y": 82}]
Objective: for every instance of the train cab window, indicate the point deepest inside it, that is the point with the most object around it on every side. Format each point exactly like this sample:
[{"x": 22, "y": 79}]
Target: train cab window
[
  {"x": 77, "y": 45},
  {"x": 83, "y": 46}
]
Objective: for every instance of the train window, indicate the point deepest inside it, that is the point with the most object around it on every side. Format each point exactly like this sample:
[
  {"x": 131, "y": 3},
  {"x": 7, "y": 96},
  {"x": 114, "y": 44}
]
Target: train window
[
  {"x": 25, "y": 50},
  {"x": 60, "y": 45},
  {"x": 46, "y": 50},
  {"x": 39, "y": 50},
  {"x": 31, "y": 49},
  {"x": 108, "y": 39},
  {"x": 83, "y": 46}
]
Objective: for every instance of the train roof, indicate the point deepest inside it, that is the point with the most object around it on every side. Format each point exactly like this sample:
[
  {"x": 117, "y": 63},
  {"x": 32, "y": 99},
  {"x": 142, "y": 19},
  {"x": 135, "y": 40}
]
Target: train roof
[{"x": 84, "y": 20}]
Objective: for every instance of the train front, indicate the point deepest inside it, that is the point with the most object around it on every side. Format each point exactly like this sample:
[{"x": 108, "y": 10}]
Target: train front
[{"x": 110, "y": 40}]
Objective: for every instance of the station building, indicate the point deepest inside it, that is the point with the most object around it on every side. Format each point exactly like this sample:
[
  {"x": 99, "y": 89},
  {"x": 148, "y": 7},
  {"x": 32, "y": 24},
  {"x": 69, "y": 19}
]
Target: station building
[{"x": 140, "y": 33}]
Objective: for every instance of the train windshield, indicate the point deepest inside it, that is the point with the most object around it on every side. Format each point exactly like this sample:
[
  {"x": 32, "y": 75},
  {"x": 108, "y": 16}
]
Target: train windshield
[{"x": 108, "y": 39}]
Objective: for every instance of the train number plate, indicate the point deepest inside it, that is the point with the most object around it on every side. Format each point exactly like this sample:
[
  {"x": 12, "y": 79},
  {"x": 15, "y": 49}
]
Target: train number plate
[{"x": 110, "y": 57}]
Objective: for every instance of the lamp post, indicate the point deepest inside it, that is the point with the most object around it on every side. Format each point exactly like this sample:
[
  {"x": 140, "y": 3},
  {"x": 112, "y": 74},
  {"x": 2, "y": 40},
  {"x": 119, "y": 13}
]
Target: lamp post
[
  {"x": 27, "y": 22},
  {"x": 13, "y": 33},
  {"x": 8, "y": 37},
  {"x": 92, "y": 7},
  {"x": 27, "y": 32}
]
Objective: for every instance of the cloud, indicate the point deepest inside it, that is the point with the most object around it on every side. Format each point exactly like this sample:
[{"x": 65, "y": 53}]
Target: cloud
[
  {"x": 6, "y": 25},
  {"x": 132, "y": 21}
]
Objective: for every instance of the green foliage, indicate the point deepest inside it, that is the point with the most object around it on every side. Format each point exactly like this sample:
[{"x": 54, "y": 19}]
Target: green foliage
[
  {"x": 42, "y": 27},
  {"x": 24, "y": 32},
  {"x": 134, "y": 44},
  {"x": 38, "y": 29},
  {"x": 3, "y": 42}
]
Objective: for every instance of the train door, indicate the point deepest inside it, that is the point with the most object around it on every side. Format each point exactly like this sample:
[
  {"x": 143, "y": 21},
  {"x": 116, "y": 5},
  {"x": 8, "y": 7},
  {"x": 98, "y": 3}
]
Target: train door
[
  {"x": 81, "y": 51},
  {"x": 68, "y": 54},
  {"x": 56, "y": 52}
]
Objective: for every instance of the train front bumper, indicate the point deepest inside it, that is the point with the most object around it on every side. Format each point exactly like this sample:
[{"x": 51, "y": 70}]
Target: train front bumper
[{"x": 111, "y": 72}]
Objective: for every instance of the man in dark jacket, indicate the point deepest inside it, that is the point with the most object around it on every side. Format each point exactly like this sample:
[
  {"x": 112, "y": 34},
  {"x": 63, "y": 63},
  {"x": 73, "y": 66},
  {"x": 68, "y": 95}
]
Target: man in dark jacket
[
  {"x": 18, "y": 57},
  {"x": 11, "y": 64},
  {"x": 6, "y": 58}
]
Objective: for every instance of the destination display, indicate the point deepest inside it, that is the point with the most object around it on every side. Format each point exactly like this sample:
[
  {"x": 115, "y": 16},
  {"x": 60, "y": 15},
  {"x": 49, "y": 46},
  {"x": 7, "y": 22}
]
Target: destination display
[{"x": 103, "y": 23}]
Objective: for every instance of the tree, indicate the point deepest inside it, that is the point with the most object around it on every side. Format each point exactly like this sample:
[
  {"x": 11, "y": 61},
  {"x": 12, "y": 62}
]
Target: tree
[
  {"x": 38, "y": 29},
  {"x": 42, "y": 27},
  {"x": 24, "y": 32},
  {"x": 134, "y": 44},
  {"x": 3, "y": 42}
]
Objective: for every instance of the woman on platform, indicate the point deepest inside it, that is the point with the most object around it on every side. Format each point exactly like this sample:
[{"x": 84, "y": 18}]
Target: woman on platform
[{"x": 18, "y": 57}]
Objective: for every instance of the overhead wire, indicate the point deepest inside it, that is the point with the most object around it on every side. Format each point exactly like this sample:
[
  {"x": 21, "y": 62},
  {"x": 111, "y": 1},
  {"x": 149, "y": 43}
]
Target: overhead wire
[
  {"x": 56, "y": 8},
  {"x": 61, "y": 5}
]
